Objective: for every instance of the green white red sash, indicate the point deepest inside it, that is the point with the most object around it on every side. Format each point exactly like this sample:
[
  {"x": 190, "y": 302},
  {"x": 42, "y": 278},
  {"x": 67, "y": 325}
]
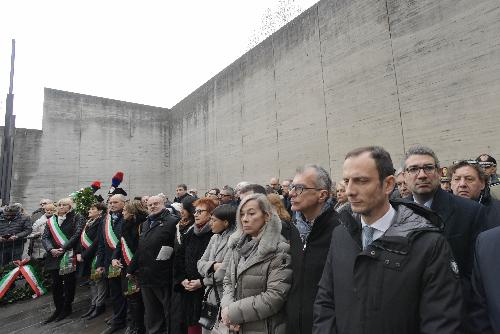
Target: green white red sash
[
  {"x": 85, "y": 240},
  {"x": 29, "y": 274},
  {"x": 32, "y": 279},
  {"x": 127, "y": 253},
  {"x": 111, "y": 238},
  {"x": 56, "y": 232},
  {"x": 7, "y": 281}
]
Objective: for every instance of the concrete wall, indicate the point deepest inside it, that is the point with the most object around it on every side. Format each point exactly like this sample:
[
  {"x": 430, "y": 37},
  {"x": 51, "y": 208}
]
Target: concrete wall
[
  {"x": 88, "y": 138},
  {"x": 344, "y": 74}
]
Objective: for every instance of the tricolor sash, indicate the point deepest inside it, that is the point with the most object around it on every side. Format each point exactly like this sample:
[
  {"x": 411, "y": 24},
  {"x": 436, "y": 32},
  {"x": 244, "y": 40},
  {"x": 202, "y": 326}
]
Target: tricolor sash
[
  {"x": 7, "y": 281},
  {"x": 29, "y": 274},
  {"x": 127, "y": 253},
  {"x": 56, "y": 232},
  {"x": 85, "y": 240},
  {"x": 111, "y": 238}
]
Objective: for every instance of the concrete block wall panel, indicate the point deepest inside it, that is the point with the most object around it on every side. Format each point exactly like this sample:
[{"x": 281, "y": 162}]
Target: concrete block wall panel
[
  {"x": 87, "y": 138},
  {"x": 447, "y": 56}
]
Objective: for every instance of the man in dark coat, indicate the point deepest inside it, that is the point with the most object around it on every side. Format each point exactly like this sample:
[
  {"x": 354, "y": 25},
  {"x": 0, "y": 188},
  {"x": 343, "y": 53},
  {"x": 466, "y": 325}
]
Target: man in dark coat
[
  {"x": 13, "y": 228},
  {"x": 153, "y": 264},
  {"x": 181, "y": 193},
  {"x": 389, "y": 269},
  {"x": 70, "y": 225},
  {"x": 108, "y": 241},
  {"x": 468, "y": 180},
  {"x": 462, "y": 218},
  {"x": 485, "y": 313},
  {"x": 310, "y": 194}
]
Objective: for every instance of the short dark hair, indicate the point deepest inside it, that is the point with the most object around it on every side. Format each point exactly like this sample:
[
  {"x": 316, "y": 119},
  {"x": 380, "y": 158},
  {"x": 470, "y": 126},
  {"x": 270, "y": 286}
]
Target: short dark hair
[
  {"x": 226, "y": 212},
  {"x": 464, "y": 163},
  {"x": 382, "y": 158},
  {"x": 253, "y": 187},
  {"x": 420, "y": 150},
  {"x": 100, "y": 206},
  {"x": 183, "y": 186}
]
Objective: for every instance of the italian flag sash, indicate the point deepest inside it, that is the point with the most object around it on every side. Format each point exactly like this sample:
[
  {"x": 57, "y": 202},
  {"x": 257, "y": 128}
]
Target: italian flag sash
[
  {"x": 85, "y": 240},
  {"x": 29, "y": 274},
  {"x": 127, "y": 253},
  {"x": 7, "y": 281},
  {"x": 111, "y": 238},
  {"x": 56, "y": 232}
]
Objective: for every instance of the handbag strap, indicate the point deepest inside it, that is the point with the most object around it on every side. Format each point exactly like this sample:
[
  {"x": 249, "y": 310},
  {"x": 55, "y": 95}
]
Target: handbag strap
[{"x": 217, "y": 298}]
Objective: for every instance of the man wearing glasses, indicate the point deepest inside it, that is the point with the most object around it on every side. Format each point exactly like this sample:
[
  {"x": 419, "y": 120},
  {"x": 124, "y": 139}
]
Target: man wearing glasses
[
  {"x": 310, "y": 195},
  {"x": 462, "y": 218}
]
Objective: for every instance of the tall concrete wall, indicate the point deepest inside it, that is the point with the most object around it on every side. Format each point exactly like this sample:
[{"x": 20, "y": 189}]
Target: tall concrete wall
[
  {"x": 344, "y": 74},
  {"x": 88, "y": 138}
]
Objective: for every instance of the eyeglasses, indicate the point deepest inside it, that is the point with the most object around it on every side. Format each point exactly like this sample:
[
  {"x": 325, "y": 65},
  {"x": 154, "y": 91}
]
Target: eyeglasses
[
  {"x": 225, "y": 195},
  {"x": 299, "y": 188},
  {"x": 415, "y": 170},
  {"x": 199, "y": 211}
]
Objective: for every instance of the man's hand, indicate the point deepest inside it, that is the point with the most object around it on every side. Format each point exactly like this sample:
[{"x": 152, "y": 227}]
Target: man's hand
[
  {"x": 217, "y": 266},
  {"x": 79, "y": 257},
  {"x": 99, "y": 270},
  {"x": 116, "y": 263},
  {"x": 13, "y": 237}
]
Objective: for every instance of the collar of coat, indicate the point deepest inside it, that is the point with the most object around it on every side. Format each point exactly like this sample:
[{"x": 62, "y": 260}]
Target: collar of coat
[{"x": 410, "y": 220}]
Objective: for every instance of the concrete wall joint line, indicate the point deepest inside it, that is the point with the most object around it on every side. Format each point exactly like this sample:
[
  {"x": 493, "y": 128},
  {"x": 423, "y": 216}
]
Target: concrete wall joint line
[
  {"x": 395, "y": 77},
  {"x": 324, "y": 92},
  {"x": 276, "y": 111}
]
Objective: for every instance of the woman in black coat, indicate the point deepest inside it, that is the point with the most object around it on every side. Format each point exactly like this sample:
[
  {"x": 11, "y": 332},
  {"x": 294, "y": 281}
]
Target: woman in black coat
[
  {"x": 86, "y": 255},
  {"x": 187, "y": 278},
  {"x": 134, "y": 214},
  {"x": 60, "y": 240}
]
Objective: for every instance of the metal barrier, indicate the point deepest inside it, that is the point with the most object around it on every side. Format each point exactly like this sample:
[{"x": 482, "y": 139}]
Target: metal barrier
[{"x": 11, "y": 250}]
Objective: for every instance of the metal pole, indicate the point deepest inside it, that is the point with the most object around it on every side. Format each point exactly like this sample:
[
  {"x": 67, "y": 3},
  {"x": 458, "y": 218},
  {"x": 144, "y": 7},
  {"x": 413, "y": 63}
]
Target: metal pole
[{"x": 8, "y": 136}]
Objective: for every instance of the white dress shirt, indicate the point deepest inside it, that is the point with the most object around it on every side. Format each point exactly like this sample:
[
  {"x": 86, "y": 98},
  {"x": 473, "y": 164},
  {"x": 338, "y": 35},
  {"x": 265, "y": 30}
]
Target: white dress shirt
[{"x": 382, "y": 224}]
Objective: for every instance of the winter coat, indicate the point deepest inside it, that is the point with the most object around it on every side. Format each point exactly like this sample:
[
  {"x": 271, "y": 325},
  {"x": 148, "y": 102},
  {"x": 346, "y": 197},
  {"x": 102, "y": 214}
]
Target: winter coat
[
  {"x": 215, "y": 252},
  {"x": 72, "y": 228},
  {"x": 34, "y": 244},
  {"x": 92, "y": 230},
  {"x": 404, "y": 282},
  {"x": 104, "y": 251},
  {"x": 190, "y": 251},
  {"x": 157, "y": 236},
  {"x": 308, "y": 262},
  {"x": 485, "y": 313},
  {"x": 255, "y": 291},
  {"x": 20, "y": 226}
]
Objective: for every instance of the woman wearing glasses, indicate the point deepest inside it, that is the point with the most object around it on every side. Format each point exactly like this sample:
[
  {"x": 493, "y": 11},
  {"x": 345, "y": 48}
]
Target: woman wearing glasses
[
  {"x": 188, "y": 279},
  {"x": 258, "y": 273}
]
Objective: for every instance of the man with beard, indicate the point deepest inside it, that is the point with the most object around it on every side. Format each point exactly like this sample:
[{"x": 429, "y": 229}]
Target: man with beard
[
  {"x": 462, "y": 218},
  {"x": 108, "y": 241}
]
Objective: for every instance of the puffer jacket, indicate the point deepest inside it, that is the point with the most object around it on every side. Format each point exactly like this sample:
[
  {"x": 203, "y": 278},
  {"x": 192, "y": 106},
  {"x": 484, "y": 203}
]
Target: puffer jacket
[
  {"x": 215, "y": 252},
  {"x": 255, "y": 292}
]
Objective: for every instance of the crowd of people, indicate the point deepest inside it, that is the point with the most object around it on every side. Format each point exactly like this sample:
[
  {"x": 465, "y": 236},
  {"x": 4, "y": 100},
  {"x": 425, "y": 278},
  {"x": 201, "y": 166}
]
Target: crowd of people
[{"x": 411, "y": 250}]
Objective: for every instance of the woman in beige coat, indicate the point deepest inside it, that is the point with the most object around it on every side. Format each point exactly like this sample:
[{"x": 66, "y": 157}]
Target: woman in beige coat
[{"x": 258, "y": 271}]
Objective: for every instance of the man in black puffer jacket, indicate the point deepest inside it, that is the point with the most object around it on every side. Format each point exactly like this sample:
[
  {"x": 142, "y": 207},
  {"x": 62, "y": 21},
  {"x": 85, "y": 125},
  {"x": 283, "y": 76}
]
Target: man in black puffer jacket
[
  {"x": 153, "y": 264},
  {"x": 389, "y": 268}
]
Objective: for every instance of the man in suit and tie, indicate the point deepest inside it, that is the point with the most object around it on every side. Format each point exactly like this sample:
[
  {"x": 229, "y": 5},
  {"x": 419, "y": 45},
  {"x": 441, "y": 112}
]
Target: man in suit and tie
[
  {"x": 153, "y": 264},
  {"x": 462, "y": 218}
]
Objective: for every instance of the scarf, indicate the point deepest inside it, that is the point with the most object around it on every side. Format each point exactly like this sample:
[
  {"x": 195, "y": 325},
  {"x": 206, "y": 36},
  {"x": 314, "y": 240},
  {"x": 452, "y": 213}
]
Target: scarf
[{"x": 204, "y": 229}]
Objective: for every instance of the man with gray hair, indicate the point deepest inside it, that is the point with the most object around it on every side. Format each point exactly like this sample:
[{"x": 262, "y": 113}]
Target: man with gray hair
[
  {"x": 309, "y": 194},
  {"x": 41, "y": 210},
  {"x": 462, "y": 217}
]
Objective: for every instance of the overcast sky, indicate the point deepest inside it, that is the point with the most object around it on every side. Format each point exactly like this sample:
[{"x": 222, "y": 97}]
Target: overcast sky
[{"x": 149, "y": 52}]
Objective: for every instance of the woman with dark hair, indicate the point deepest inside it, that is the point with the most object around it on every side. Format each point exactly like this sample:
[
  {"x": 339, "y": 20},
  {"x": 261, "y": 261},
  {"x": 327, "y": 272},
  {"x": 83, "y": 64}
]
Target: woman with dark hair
[
  {"x": 223, "y": 225},
  {"x": 134, "y": 214},
  {"x": 258, "y": 271},
  {"x": 86, "y": 255},
  {"x": 187, "y": 278}
]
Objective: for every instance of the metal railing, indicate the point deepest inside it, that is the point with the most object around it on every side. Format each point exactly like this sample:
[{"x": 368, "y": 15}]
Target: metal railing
[{"x": 18, "y": 249}]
